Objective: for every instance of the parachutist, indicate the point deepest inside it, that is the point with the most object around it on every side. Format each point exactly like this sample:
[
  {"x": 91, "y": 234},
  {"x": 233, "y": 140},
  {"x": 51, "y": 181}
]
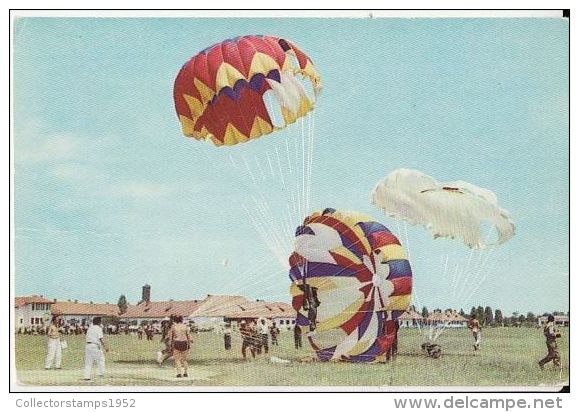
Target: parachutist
[{"x": 432, "y": 350}]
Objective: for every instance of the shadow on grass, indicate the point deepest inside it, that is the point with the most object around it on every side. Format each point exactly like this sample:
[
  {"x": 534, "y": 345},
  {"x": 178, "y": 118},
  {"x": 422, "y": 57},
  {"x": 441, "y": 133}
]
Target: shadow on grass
[
  {"x": 421, "y": 355},
  {"x": 190, "y": 362}
]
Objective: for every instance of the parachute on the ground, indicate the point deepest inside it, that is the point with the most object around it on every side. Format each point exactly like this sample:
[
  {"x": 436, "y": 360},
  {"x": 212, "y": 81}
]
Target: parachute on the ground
[
  {"x": 351, "y": 280},
  {"x": 244, "y": 88},
  {"x": 455, "y": 209}
]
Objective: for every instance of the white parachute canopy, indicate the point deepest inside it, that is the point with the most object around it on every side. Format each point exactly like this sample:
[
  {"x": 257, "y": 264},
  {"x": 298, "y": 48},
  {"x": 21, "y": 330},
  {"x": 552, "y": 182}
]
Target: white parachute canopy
[{"x": 454, "y": 210}]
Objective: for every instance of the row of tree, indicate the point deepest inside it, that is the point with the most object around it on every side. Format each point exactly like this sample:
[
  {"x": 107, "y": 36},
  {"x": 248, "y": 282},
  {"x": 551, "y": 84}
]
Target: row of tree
[{"x": 487, "y": 317}]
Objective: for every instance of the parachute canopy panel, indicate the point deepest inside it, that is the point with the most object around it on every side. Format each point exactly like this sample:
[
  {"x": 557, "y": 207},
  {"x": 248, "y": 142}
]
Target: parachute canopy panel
[
  {"x": 244, "y": 88},
  {"x": 355, "y": 275},
  {"x": 454, "y": 210}
]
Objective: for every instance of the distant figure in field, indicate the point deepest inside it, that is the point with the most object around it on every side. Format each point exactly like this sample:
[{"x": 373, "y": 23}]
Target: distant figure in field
[
  {"x": 166, "y": 353},
  {"x": 227, "y": 336},
  {"x": 94, "y": 349},
  {"x": 393, "y": 351},
  {"x": 297, "y": 336},
  {"x": 247, "y": 332},
  {"x": 551, "y": 336},
  {"x": 181, "y": 343},
  {"x": 54, "y": 346},
  {"x": 140, "y": 332},
  {"x": 474, "y": 326},
  {"x": 263, "y": 336},
  {"x": 149, "y": 332},
  {"x": 274, "y": 332}
]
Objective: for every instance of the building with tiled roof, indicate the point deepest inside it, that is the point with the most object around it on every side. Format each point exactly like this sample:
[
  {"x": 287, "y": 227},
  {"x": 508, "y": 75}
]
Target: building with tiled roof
[
  {"x": 281, "y": 313},
  {"x": 410, "y": 319},
  {"x": 31, "y": 311},
  {"x": 75, "y": 312},
  {"x": 151, "y": 311},
  {"x": 448, "y": 318}
]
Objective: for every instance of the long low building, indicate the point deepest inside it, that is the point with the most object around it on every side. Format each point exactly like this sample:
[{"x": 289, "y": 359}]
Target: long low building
[
  {"x": 206, "y": 312},
  {"x": 80, "y": 313}
]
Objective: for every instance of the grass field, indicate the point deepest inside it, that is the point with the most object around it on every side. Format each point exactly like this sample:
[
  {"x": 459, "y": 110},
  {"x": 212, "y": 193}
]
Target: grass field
[{"x": 508, "y": 358}]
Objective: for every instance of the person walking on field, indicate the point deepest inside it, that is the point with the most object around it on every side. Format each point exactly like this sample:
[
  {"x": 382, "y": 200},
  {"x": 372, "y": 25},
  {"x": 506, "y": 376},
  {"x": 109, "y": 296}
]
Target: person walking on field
[
  {"x": 166, "y": 353},
  {"x": 474, "y": 326},
  {"x": 263, "y": 336},
  {"x": 94, "y": 349},
  {"x": 227, "y": 336},
  {"x": 181, "y": 343},
  {"x": 54, "y": 346},
  {"x": 246, "y": 339},
  {"x": 551, "y": 336},
  {"x": 274, "y": 332},
  {"x": 297, "y": 336}
]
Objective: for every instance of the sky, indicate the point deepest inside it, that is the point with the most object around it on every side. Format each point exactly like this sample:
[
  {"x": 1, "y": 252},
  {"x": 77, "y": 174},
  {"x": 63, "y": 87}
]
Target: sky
[{"x": 108, "y": 194}]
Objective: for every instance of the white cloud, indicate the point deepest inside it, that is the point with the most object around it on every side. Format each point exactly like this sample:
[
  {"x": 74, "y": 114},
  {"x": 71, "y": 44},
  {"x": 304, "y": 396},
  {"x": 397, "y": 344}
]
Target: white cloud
[{"x": 54, "y": 148}]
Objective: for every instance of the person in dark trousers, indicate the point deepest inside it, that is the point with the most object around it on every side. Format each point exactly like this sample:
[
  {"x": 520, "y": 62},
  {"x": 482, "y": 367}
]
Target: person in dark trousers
[
  {"x": 247, "y": 339},
  {"x": 227, "y": 336},
  {"x": 393, "y": 351},
  {"x": 297, "y": 336},
  {"x": 310, "y": 303},
  {"x": 166, "y": 353},
  {"x": 263, "y": 336},
  {"x": 274, "y": 332},
  {"x": 551, "y": 336}
]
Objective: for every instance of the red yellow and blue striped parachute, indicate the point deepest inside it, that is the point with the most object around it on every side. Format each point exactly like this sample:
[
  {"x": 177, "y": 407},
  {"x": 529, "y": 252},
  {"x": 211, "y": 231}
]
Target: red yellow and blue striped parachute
[
  {"x": 227, "y": 92},
  {"x": 351, "y": 280}
]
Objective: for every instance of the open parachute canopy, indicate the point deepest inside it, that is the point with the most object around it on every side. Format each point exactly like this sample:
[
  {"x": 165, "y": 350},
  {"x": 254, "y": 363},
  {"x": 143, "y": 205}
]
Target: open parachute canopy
[
  {"x": 455, "y": 209},
  {"x": 351, "y": 280},
  {"x": 244, "y": 88}
]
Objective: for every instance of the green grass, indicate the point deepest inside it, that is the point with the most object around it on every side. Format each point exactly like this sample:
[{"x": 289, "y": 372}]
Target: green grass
[{"x": 508, "y": 357}]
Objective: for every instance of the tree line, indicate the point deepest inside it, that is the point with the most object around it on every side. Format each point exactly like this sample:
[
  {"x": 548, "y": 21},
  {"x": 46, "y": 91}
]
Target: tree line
[{"x": 489, "y": 317}]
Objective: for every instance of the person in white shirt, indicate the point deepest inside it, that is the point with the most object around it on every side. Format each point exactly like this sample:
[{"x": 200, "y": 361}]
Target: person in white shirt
[
  {"x": 263, "y": 331},
  {"x": 54, "y": 346},
  {"x": 94, "y": 349}
]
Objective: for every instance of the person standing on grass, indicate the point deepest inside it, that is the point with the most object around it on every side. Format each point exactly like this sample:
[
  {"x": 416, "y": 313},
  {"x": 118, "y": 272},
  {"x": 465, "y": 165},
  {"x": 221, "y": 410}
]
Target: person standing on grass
[
  {"x": 166, "y": 353},
  {"x": 263, "y": 336},
  {"x": 180, "y": 342},
  {"x": 54, "y": 347},
  {"x": 95, "y": 344},
  {"x": 227, "y": 335},
  {"x": 297, "y": 336},
  {"x": 274, "y": 332},
  {"x": 474, "y": 326},
  {"x": 246, "y": 339},
  {"x": 551, "y": 336}
]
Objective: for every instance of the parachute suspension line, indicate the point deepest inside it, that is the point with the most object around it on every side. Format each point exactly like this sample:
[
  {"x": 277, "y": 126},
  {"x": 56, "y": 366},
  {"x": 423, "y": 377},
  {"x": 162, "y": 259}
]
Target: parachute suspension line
[
  {"x": 304, "y": 195},
  {"x": 249, "y": 170},
  {"x": 288, "y": 155},
  {"x": 279, "y": 165},
  {"x": 477, "y": 269},
  {"x": 242, "y": 279},
  {"x": 266, "y": 212},
  {"x": 484, "y": 277},
  {"x": 407, "y": 239},
  {"x": 310, "y": 147},
  {"x": 270, "y": 165},
  {"x": 269, "y": 233},
  {"x": 258, "y": 163},
  {"x": 454, "y": 277},
  {"x": 466, "y": 275},
  {"x": 271, "y": 242},
  {"x": 445, "y": 267}
]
